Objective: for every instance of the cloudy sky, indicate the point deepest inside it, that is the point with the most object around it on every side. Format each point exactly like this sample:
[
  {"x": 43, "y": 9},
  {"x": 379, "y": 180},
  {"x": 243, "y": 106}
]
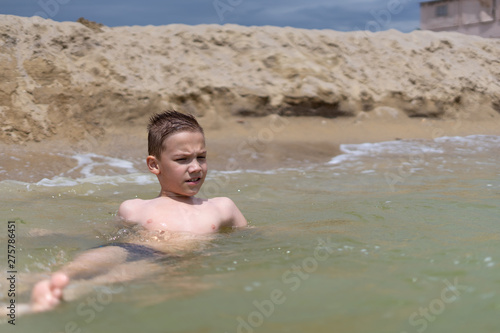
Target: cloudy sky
[{"x": 342, "y": 15}]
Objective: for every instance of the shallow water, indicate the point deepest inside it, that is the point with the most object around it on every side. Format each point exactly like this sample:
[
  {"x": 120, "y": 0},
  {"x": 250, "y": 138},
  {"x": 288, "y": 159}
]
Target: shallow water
[{"x": 398, "y": 236}]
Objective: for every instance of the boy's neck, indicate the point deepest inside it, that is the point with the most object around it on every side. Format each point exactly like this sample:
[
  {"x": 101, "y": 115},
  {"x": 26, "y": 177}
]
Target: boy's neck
[{"x": 177, "y": 197}]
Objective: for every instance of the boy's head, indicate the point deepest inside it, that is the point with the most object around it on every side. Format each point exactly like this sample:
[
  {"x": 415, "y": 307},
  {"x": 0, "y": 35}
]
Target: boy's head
[
  {"x": 177, "y": 154},
  {"x": 164, "y": 124}
]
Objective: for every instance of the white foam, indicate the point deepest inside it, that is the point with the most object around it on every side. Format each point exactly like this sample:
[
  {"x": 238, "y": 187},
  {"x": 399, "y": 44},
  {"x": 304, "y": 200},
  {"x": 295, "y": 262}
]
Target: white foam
[
  {"x": 467, "y": 145},
  {"x": 57, "y": 181},
  {"x": 134, "y": 178},
  {"x": 470, "y": 139},
  {"x": 90, "y": 161},
  {"x": 340, "y": 158},
  {"x": 413, "y": 155},
  {"x": 111, "y": 170}
]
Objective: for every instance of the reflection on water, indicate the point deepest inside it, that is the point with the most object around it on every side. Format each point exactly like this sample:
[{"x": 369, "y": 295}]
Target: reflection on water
[{"x": 391, "y": 237}]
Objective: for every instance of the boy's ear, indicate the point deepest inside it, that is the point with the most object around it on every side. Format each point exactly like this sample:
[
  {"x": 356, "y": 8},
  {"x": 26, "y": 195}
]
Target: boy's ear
[{"x": 153, "y": 165}]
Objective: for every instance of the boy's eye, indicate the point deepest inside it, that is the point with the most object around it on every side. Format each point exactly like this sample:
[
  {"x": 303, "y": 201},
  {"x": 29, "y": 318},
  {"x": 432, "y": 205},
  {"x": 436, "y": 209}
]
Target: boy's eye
[{"x": 185, "y": 159}]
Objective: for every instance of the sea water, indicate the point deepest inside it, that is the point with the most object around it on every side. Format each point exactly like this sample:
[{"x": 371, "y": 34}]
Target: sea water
[{"x": 399, "y": 236}]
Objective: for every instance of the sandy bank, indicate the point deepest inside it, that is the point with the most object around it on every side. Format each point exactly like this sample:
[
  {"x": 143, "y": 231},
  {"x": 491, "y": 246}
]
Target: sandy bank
[{"x": 75, "y": 82}]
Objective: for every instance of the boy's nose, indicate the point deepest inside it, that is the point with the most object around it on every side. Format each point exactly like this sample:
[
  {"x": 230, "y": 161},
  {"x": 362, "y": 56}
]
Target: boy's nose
[{"x": 195, "y": 166}]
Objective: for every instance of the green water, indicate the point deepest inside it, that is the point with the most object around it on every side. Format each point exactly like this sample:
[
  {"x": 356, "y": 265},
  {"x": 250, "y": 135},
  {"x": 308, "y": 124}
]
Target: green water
[{"x": 396, "y": 238}]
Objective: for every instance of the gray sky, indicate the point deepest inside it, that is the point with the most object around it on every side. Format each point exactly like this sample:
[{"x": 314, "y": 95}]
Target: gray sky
[{"x": 373, "y": 15}]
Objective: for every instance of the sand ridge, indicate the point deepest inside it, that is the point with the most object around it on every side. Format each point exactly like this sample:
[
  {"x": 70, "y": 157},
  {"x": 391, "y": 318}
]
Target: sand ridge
[{"x": 75, "y": 82}]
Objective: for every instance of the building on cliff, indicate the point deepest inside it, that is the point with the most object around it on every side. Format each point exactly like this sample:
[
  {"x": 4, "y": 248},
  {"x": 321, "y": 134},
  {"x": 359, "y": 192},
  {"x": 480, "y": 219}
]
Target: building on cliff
[{"x": 472, "y": 17}]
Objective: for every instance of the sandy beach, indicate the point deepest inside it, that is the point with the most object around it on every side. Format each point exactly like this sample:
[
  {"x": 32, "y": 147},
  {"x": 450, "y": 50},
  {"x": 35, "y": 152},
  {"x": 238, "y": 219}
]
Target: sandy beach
[{"x": 267, "y": 97}]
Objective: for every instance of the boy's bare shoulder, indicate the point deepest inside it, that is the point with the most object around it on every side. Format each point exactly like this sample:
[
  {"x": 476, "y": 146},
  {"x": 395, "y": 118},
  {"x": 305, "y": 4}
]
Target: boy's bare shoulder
[
  {"x": 229, "y": 211},
  {"x": 129, "y": 208},
  {"x": 222, "y": 203}
]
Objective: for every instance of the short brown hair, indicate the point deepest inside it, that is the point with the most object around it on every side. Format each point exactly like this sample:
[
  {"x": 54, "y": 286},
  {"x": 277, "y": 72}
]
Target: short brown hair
[{"x": 163, "y": 124}]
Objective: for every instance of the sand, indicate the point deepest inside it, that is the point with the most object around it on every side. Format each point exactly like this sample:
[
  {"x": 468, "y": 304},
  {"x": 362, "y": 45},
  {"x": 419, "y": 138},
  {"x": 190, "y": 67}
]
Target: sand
[{"x": 268, "y": 97}]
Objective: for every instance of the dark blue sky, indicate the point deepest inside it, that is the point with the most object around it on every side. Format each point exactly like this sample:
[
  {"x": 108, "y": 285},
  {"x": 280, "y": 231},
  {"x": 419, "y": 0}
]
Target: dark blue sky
[{"x": 347, "y": 15}]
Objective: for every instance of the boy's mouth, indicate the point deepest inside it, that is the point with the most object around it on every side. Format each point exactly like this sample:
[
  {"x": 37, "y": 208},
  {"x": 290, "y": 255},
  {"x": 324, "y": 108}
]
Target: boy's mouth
[{"x": 193, "y": 180}]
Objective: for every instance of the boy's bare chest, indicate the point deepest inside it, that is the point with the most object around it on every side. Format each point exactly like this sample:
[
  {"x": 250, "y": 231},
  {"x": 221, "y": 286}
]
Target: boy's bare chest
[{"x": 182, "y": 218}]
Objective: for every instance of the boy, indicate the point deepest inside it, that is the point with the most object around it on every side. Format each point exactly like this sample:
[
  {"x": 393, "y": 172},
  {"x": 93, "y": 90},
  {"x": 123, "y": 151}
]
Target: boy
[{"x": 177, "y": 156}]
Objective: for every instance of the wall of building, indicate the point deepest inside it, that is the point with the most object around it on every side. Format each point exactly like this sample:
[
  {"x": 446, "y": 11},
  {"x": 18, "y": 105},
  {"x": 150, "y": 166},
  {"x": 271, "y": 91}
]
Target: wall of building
[{"x": 474, "y": 17}]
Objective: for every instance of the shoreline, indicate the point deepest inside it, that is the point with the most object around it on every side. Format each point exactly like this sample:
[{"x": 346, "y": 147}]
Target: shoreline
[
  {"x": 264, "y": 143},
  {"x": 267, "y": 97}
]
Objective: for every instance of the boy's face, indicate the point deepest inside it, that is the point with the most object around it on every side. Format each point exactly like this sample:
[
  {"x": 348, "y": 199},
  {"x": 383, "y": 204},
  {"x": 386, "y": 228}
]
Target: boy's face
[{"x": 183, "y": 166}]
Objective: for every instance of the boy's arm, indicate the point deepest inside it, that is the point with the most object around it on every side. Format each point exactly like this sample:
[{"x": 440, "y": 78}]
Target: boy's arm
[{"x": 233, "y": 216}]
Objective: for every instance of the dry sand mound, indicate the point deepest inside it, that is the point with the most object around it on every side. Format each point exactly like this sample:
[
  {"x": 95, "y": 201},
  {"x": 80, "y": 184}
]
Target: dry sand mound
[{"x": 75, "y": 79}]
